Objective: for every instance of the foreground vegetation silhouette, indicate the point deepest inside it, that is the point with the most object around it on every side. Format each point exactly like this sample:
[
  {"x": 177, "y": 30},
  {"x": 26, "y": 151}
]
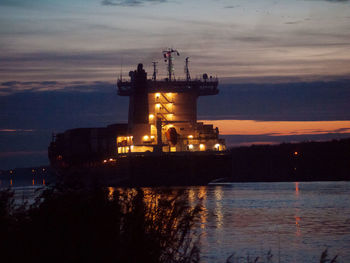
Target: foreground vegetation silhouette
[
  {"x": 106, "y": 225},
  {"x": 99, "y": 225}
]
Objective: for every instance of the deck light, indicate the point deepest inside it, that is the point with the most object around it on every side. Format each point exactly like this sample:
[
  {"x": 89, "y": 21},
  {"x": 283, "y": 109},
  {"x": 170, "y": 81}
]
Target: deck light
[
  {"x": 202, "y": 147},
  {"x": 157, "y": 95},
  {"x": 190, "y": 136},
  {"x": 190, "y": 146},
  {"x": 146, "y": 138},
  {"x": 151, "y": 116},
  {"x": 217, "y": 146}
]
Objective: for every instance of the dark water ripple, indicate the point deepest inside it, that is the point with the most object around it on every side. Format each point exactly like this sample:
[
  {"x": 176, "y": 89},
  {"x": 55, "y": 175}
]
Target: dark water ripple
[{"x": 297, "y": 221}]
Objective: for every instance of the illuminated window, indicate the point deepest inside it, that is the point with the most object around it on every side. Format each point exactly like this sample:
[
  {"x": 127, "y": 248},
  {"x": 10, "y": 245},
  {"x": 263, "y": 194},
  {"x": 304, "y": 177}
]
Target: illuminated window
[
  {"x": 173, "y": 149},
  {"x": 202, "y": 147}
]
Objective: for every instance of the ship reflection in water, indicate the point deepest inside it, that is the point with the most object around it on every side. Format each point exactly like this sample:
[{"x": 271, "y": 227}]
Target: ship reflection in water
[{"x": 297, "y": 221}]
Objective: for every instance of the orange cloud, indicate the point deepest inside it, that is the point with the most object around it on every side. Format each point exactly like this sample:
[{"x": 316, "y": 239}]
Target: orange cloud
[{"x": 279, "y": 128}]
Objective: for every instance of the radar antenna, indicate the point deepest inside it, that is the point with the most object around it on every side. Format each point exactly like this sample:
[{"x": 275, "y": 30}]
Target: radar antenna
[
  {"x": 187, "y": 71},
  {"x": 168, "y": 57}
]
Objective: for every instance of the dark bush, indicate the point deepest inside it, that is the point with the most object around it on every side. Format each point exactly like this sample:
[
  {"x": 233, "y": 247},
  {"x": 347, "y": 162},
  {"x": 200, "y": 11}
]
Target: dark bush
[{"x": 100, "y": 225}]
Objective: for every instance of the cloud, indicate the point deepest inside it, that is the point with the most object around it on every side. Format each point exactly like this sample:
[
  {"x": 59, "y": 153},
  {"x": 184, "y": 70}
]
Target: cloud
[
  {"x": 129, "y": 2},
  {"x": 293, "y": 22},
  {"x": 332, "y": 1},
  {"x": 279, "y": 128},
  {"x": 11, "y": 87},
  {"x": 231, "y": 6},
  {"x": 17, "y": 130}
]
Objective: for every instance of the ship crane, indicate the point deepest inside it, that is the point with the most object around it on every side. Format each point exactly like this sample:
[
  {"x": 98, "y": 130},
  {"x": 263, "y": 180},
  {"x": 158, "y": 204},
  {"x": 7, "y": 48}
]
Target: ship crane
[{"x": 168, "y": 57}]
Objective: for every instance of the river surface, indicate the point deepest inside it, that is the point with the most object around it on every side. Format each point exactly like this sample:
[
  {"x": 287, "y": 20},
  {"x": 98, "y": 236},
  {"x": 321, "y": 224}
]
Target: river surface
[{"x": 296, "y": 221}]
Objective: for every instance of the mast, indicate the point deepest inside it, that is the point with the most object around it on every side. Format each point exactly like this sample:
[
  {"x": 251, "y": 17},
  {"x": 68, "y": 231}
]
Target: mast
[
  {"x": 187, "y": 71},
  {"x": 168, "y": 57},
  {"x": 154, "y": 77}
]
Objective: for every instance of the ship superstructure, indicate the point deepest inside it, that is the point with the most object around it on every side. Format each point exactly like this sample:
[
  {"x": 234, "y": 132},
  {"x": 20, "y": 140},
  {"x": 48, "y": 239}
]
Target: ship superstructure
[
  {"x": 163, "y": 113},
  {"x": 162, "y": 143}
]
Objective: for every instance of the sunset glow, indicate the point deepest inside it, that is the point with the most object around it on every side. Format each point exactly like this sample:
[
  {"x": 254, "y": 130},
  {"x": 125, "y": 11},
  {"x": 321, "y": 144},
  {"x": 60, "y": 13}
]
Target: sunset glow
[{"x": 279, "y": 128}]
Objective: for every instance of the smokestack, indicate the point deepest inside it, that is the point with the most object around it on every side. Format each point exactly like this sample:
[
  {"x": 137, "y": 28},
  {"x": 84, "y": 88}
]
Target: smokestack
[{"x": 138, "y": 107}]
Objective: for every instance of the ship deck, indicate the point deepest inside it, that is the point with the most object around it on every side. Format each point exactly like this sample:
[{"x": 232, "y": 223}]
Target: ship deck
[{"x": 200, "y": 87}]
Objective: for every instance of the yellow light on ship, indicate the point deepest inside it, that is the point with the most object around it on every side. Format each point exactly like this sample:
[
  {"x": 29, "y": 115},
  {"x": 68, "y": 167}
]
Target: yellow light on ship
[
  {"x": 104, "y": 161},
  {"x": 190, "y": 146},
  {"x": 131, "y": 147},
  {"x": 157, "y": 95},
  {"x": 151, "y": 116},
  {"x": 158, "y": 105},
  {"x": 146, "y": 138},
  {"x": 202, "y": 147},
  {"x": 217, "y": 146},
  {"x": 190, "y": 136},
  {"x": 152, "y": 137},
  {"x": 169, "y": 94}
]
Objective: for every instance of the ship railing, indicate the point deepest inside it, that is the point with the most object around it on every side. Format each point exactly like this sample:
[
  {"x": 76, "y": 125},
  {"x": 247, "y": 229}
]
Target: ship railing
[{"x": 204, "y": 87}]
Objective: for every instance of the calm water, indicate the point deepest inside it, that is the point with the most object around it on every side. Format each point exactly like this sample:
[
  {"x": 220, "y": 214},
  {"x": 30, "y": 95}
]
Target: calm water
[{"x": 297, "y": 221}]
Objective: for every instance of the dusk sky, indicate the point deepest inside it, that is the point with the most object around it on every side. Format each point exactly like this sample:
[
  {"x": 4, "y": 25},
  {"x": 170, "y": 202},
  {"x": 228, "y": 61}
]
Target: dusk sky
[{"x": 283, "y": 65}]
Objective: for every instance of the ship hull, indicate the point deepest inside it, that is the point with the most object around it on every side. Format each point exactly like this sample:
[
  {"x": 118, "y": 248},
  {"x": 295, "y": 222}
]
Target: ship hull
[{"x": 171, "y": 169}]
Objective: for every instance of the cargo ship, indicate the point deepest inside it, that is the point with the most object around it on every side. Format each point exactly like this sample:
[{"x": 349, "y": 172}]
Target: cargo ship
[{"x": 162, "y": 143}]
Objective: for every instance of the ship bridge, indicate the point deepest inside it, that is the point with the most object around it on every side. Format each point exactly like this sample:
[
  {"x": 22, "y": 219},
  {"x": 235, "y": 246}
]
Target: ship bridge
[{"x": 163, "y": 113}]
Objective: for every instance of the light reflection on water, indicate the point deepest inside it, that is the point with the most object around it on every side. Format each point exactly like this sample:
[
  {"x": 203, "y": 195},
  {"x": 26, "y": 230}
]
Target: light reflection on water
[{"x": 296, "y": 220}]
